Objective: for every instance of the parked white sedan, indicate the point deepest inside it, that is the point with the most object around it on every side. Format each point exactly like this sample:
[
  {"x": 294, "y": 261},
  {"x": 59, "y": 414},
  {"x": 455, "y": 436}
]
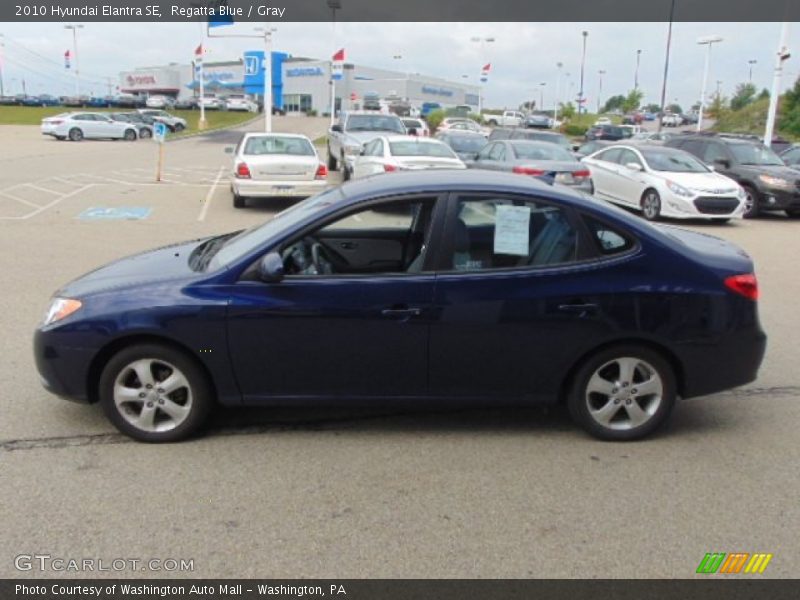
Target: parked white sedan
[
  {"x": 663, "y": 182},
  {"x": 87, "y": 125},
  {"x": 404, "y": 153},
  {"x": 276, "y": 165}
]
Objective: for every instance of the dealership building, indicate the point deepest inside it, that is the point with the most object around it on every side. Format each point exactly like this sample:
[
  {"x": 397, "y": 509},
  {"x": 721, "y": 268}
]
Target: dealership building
[{"x": 298, "y": 84}]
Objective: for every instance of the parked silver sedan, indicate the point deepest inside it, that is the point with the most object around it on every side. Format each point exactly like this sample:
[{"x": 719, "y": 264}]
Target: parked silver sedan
[
  {"x": 536, "y": 159},
  {"x": 404, "y": 153},
  {"x": 87, "y": 125},
  {"x": 275, "y": 165}
]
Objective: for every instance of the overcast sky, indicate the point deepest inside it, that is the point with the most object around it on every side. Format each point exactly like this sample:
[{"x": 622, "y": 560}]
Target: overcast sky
[{"x": 522, "y": 56}]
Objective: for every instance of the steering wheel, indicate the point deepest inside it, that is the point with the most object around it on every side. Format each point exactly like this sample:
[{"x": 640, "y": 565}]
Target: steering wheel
[{"x": 321, "y": 260}]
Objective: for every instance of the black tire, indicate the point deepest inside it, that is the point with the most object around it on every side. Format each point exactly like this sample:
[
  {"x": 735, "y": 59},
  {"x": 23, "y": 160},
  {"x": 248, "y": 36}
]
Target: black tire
[
  {"x": 130, "y": 135},
  {"x": 346, "y": 174},
  {"x": 333, "y": 164},
  {"x": 492, "y": 123},
  {"x": 752, "y": 201},
  {"x": 657, "y": 408},
  {"x": 75, "y": 134},
  {"x": 793, "y": 213},
  {"x": 145, "y": 133},
  {"x": 197, "y": 395},
  {"x": 651, "y": 205},
  {"x": 238, "y": 201},
  {"x": 60, "y": 138},
  {"x": 178, "y": 127}
]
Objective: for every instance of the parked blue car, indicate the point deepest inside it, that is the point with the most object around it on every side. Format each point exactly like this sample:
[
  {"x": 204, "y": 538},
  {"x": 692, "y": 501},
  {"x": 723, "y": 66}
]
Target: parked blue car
[{"x": 419, "y": 286}]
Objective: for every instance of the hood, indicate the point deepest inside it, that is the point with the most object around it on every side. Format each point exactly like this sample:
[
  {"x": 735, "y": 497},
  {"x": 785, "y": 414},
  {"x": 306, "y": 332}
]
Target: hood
[
  {"x": 152, "y": 266},
  {"x": 774, "y": 170},
  {"x": 711, "y": 183}
]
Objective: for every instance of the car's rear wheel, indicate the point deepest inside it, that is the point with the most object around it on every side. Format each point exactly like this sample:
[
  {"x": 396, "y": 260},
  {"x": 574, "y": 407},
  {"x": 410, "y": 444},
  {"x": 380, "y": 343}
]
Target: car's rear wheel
[
  {"x": 332, "y": 163},
  {"x": 622, "y": 393},
  {"x": 75, "y": 134},
  {"x": 130, "y": 135},
  {"x": 238, "y": 201},
  {"x": 154, "y": 393},
  {"x": 751, "y": 209},
  {"x": 651, "y": 205}
]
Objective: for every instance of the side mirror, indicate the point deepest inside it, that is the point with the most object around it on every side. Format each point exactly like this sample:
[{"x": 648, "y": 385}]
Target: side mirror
[
  {"x": 634, "y": 166},
  {"x": 270, "y": 269},
  {"x": 337, "y": 128},
  {"x": 229, "y": 150}
]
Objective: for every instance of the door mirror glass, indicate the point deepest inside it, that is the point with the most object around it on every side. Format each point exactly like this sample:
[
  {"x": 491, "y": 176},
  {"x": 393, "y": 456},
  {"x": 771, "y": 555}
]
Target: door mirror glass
[{"x": 270, "y": 269}]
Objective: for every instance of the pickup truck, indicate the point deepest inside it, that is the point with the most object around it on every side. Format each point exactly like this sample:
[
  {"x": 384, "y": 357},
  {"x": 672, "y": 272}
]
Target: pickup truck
[
  {"x": 509, "y": 118},
  {"x": 352, "y": 131}
]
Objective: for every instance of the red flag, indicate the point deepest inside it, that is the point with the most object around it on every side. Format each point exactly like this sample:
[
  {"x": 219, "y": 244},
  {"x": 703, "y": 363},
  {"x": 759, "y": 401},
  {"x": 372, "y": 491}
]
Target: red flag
[
  {"x": 487, "y": 68},
  {"x": 67, "y": 54},
  {"x": 339, "y": 56},
  {"x": 199, "y": 50}
]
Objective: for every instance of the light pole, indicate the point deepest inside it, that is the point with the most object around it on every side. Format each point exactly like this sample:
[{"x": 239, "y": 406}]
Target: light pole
[
  {"x": 557, "y": 96},
  {"x": 719, "y": 83},
  {"x": 74, "y": 29},
  {"x": 636, "y": 73},
  {"x": 751, "y": 63},
  {"x": 666, "y": 66},
  {"x": 541, "y": 95},
  {"x": 268, "y": 31},
  {"x": 781, "y": 55},
  {"x": 482, "y": 41},
  {"x": 334, "y": 5},
  {"x": 2, "y": 52},
  {"x": 600, "y": 89},
  {"x": 583, "y": 64},
  {"x": 707, "y": 41}
]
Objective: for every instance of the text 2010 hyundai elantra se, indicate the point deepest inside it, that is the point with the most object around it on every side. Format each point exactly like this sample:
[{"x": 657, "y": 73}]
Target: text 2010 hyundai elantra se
[{"x": 426, "y": 286}]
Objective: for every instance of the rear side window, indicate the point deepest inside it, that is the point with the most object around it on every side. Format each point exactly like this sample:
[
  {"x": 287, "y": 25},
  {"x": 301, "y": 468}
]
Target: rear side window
[
  {"x": 611, "y": 155},
  {"x": 607, "y": 240}
]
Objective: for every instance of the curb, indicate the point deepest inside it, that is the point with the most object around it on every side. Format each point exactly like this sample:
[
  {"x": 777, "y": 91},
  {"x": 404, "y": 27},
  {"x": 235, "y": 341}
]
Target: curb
[{"x": 189, "y": 136}]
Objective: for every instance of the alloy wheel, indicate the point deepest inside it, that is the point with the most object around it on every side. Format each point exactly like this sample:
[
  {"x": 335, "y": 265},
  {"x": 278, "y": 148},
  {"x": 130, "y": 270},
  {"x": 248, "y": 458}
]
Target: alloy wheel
[
  {"x": 152, "y": 395},
  {"x": 651, "y": 206},
  {"x": 624, "y": 393}
]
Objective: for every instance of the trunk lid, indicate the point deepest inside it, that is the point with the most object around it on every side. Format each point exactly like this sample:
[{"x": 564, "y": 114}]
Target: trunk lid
[
  {"x": 282, "y": 168},
  {"x": 712, "y": 251}
]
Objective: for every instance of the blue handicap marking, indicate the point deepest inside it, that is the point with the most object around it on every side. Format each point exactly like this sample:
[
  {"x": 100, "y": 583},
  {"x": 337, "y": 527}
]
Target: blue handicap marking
[
  {"x": 119, "y": 212},
  {"x": 159, "y": 131}
]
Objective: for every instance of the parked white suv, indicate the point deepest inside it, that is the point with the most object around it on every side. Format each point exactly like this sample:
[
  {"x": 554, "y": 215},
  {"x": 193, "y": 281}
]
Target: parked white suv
[
  {"x": 240, "y": 102},
  {"x": 87, "y": 125},
  {"x": 172, "y": 122},
  {"x": 159, "y": 102}
]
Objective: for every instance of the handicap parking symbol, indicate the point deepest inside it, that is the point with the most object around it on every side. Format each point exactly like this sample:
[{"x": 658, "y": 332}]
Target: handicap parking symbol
[{"x": 131, "y": 213}]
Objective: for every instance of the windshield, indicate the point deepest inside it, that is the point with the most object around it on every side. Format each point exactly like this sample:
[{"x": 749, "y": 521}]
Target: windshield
[
  {"x": 250, "y": 239},
  {"x": 673, "y": 162},
  {"x": 409, "y": 123},
  {"x": 375, "y": 123},
  {"x": 467, "y": 143},
  {"x": 750, "y": 154},
  {"x": 420, "y": 148},
  {"x": 541, "y": 152},
  {"x": 263, "y": 145}
]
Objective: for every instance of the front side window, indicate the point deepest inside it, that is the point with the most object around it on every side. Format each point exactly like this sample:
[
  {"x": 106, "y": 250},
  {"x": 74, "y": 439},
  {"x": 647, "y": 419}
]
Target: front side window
[
  {"x": 389, "y": 238},
  {"x": 714, "y": 152},
  {"x": 502, "y": 233},
  {"x": 628, "y": 156},
  {"x": 498, "y": 152}
]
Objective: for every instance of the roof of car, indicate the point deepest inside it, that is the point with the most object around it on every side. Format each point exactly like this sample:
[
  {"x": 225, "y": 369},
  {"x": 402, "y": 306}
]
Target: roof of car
[{"x": 253, "y": 134}]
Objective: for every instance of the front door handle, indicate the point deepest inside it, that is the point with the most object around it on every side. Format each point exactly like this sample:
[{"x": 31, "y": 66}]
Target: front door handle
[
  {"x": 583, "y": 309},
  {"x": 401, "y": 312},
  {"x": 348, "y": 245}
]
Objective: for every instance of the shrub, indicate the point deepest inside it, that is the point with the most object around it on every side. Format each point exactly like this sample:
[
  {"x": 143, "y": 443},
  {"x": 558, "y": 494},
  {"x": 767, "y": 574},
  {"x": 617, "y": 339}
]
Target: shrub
[{"x": 574, "y": 130}]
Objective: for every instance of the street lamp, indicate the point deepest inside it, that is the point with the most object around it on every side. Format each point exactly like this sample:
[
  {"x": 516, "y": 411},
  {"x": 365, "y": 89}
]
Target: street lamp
[
  {"x": 751, "y": 63},
  {"x": 541, "y": 95},
  {"x": 600, "y": 89},
  {"x": 666, "y": 66},
  {"x": 334, "y": 5},
  {"x": 2, "y": 51},
  {"x": 268, "y": 31},
  {"x": 636, "y": 73},
  {"x": 707, "y": 41},
  {"x": 74, "y": 29},
  {"x": 482, "y": 41},
  {"x": 583, "y": 64},
  {"x": 557, "y": 98}
]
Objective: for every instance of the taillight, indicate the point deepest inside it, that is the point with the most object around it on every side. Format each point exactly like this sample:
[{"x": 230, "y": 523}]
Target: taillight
[
  {"x": 745, "y": 285},
  {"x": 527, "y": 171},
  {"x": 584, "y": 173},
  {"x": 322, "y": 172},
  {"x": 389, "y": 168},
  {"x": 242, "y": 171}
]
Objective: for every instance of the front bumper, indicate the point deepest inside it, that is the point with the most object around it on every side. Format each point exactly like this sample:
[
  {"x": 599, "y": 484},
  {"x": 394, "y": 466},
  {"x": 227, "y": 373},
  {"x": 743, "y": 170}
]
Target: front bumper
[
  {"x": 63, "y": 370},
  {"x": 702, "y": 207},
  {"x": 779, "y": 198},
  {"x": 249, "y": 188}
]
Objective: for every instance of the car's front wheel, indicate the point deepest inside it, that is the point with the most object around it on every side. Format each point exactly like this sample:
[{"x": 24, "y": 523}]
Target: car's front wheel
[
  {"x": 651, "y": 205},
  {"x": 145, "y": 133},
  {"x": 751, "y": 209},
  {"x": 75, "y": 134},
  {"x": 622, "y": 393},
  {"x": 130, "y": 135},
  {"x": 178, "y": 127},
  {"x": 154, "y": 393}
]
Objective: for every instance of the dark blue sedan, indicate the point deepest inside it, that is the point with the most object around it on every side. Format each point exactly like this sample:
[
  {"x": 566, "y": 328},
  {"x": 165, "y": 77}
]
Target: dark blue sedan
[{"x": 419, "y": 286}]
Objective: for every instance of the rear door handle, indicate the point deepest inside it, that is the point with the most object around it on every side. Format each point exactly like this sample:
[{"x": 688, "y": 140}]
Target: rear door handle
[
  {"x": 579, "y": 308},
  {"x": 401, "y": 312}
]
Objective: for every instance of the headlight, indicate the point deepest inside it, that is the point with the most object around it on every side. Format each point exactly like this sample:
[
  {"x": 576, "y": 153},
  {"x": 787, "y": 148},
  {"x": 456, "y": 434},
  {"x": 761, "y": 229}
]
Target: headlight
[
  {"x": 60, "y": 308},
  {"x": 679, "y": 190},
  {"x": 775, "y": 181}
]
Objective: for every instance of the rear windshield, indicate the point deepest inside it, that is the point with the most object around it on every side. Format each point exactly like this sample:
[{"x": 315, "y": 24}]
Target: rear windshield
[
  {"x": 375, "y": 123},
  {"x": 467, "y": 143},
  {"x": 409, "y": 123},
  {"x": 420, "y": 148},
  {"x": 541, "y": 152},
  {"x": 259, "y": 146}
]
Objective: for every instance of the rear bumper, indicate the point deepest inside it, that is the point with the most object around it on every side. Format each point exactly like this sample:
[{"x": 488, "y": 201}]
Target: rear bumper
[
  {"x": 63, "y": 371},
  {"x": 277, "y": 189}
]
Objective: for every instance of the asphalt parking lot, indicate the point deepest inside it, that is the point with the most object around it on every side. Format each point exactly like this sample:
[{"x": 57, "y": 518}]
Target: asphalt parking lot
[{"x": 371, "y": 493}]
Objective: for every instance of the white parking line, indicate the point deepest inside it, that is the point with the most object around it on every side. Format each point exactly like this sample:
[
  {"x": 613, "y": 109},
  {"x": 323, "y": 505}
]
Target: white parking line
[
  {"x": 20, "y": 200},
  {"x": 40, "y": 209},
  {"x": 210, "y": 195},
  {"x": 44, "y": 189}
]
